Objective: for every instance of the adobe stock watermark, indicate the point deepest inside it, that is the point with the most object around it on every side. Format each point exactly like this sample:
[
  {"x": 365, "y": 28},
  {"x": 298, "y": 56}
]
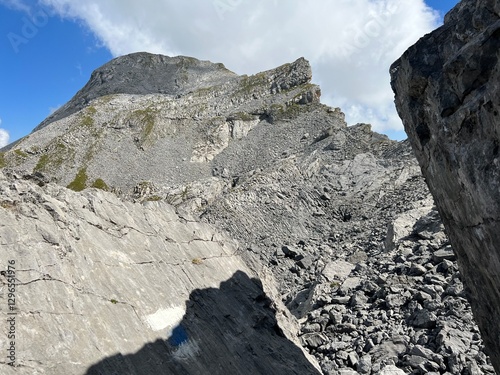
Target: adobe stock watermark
[
  {"x": 10, "y": 275},
  {"x": 29, "y": 29},
  {"x": 224, "y": 6},
  {"x": 361, "y": 37}
]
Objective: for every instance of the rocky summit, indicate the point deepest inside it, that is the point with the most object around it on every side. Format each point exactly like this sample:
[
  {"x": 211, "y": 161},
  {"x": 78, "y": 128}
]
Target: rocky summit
[
  {"x": 175, "y": 217},
  {"x": 447, "y": 92}
]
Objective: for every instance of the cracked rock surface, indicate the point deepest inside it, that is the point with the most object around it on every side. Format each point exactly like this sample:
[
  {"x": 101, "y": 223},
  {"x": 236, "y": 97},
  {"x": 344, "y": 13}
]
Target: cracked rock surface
[
  {"x": 96, "y": 276},
  {"x": 447, "y": 92}
]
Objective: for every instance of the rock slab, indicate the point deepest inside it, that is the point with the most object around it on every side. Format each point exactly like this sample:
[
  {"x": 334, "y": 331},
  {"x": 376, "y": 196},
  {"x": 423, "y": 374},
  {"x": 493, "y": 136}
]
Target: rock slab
[
  {"x": 105, "y": 286},
  {"x": 448, "y": 95}
]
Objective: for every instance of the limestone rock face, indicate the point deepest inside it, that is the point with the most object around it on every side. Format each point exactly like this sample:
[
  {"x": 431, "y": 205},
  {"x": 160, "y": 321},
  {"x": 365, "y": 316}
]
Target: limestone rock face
[
  {"x": 105, "y": 286},
  {"x": 448, "y": 94}
]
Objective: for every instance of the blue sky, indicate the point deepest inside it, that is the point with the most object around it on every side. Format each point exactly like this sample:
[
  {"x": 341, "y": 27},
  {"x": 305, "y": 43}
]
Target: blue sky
[{"x": 48, "y": 48}]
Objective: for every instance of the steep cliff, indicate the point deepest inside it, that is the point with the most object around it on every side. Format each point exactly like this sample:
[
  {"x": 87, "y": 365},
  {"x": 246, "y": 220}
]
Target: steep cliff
[{"x": 447, "y": 92}]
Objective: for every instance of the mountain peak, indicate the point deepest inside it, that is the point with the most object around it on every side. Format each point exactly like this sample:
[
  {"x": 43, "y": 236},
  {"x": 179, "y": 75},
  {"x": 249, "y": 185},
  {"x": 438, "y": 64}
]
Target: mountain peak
[
  {"x": 144, "y": 73},
  {"x": 173, "y": 111}
]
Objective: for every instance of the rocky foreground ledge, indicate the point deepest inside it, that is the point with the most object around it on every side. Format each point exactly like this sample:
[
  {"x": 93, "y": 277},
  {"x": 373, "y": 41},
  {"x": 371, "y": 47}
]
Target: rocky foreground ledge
[
  {"x": 104, "y": 286},
  {"x": 447, "y": 92}
]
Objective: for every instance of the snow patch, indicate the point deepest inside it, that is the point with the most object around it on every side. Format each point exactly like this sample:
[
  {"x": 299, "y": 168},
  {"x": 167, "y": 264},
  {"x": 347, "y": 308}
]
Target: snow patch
[{"x": 165, "y": 318}]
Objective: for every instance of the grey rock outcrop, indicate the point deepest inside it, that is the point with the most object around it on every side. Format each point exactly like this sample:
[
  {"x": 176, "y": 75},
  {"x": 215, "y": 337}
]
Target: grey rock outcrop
[
  {"x": 447, "y": 92},
  {"x": 96, "y": 276}
]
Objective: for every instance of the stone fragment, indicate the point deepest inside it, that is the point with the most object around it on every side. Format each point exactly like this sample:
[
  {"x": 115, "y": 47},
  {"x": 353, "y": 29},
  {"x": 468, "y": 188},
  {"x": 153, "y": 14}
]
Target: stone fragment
[
  {"x": 290, "y": 251},
  {"x": 388, "y": 350},
  {"x": 335, "y": 317},
  {"x": 306, "y": 262},
  {"x": 311, "y": 299},
  {"x": 395, "y": 300},
  {"x": 443, "y": 254},
  {"x": 352, "y": 359},
  {"x": 311, "y": 327},
  {"x": 364, "y": 365},
  {"x": 338, "y": 270},
  {"x": 417, "y": 270},
  {"x": 391, "y": 370},
  {"x": 402, "y": 226},
  {"x": 350, "y": 285},
  {"x": 347, "y": 371},
  {"x": 358, "y": 300},
  {"x": 453, "y": 341},
  {"x": 423, "y": 319},
  {"x": 341, "y": 300},
  {"x": 473, "y": 368},
  {"x": 419, "y": 350},
  {"x": 423, "y": 364},
  {"x": 313, "y": 340},
  {"x": 428, "y": 226},
  {"x": 422, "y": 296}
]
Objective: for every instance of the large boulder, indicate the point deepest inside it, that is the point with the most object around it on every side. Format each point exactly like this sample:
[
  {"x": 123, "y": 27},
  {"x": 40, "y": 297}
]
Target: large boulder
[{"x": 448, "y": 95}]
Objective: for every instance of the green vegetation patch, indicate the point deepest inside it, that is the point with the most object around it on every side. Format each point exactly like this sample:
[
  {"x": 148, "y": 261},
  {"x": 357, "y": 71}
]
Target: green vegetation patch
[
  {"x": 3, "y": 163},
  {"x": 54, "y": 157},
  {"x": 20, "y": 153},
  {"x": 42, "y": 163},
  {"x": 8, "y": 205},
  {"x": 100, "y": 184},
  {"x": 249, "y": 84},
  {"x": 279, "y": 112},
  {"x": 154, "y": 198},
  {"x": 243, "y": 116},
  {"x": 80, "y": 181},
  {"x": 88, "y": 119},
  {"x": 146, "y": 118},
  {"x": 12, "y": 158}
]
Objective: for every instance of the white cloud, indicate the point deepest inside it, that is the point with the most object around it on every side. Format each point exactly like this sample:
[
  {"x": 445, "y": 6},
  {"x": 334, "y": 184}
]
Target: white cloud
[
  {"x": 350, "y": 43},
  {"x": 4, "y": 136}
]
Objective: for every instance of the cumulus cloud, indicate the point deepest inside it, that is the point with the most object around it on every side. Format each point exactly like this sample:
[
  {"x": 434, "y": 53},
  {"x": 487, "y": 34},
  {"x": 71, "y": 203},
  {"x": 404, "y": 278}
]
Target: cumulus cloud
[
  {"x": 4, "y": 136},
  {"x": 350, "y": 43}
]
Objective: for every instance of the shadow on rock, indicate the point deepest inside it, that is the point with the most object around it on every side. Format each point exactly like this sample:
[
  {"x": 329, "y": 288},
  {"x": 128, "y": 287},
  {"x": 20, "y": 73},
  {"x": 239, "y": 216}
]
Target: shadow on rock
[{"x": 229, "y": 330}]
